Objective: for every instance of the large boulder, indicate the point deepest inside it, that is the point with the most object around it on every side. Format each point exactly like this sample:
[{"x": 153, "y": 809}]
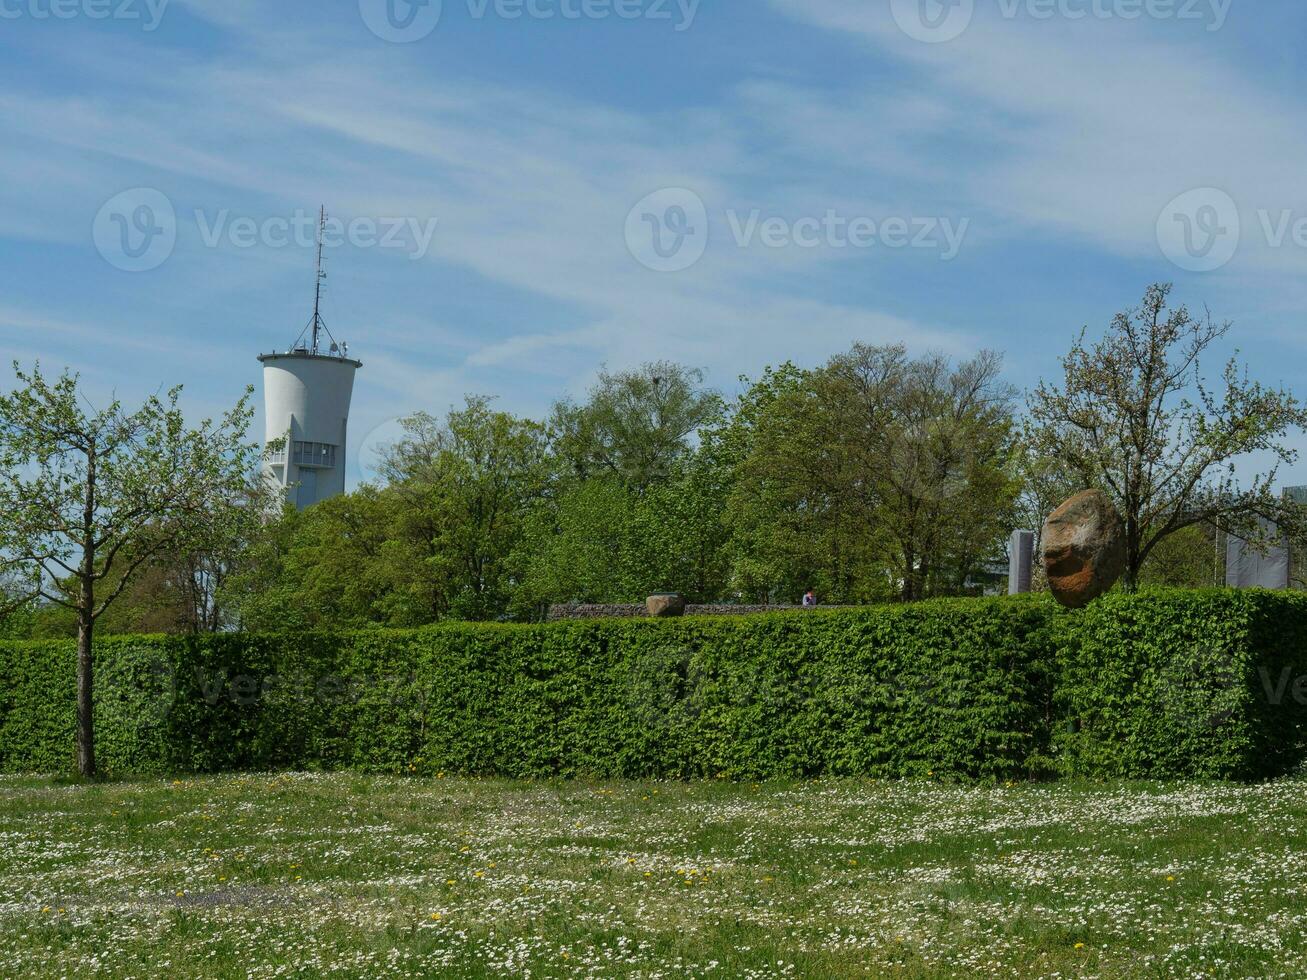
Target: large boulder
[
  {"x": 1083, "y": 548},
  {"x": 666, "y": 605}
]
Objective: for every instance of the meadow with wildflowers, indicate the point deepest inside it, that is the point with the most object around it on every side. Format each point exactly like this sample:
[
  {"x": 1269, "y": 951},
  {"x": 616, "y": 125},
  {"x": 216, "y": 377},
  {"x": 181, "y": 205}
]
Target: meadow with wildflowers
[{"x": 358, "y": 876}]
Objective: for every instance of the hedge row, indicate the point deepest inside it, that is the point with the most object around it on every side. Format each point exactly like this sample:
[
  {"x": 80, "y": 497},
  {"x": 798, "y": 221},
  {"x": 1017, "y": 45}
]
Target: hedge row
[
  {"x": 1179, "y": 683},
  {"x": 1163, "y": 684}
]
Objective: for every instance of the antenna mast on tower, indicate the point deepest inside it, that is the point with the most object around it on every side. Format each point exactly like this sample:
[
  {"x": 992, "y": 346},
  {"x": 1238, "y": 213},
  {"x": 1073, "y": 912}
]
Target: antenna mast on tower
[
  {"x": 319, "y": 325},
  {"x": 317, "y": 287}
]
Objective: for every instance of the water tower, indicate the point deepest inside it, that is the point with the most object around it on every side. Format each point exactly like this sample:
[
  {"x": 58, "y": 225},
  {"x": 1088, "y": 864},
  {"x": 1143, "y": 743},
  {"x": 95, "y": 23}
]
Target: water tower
[{"x": 306, "y": 396}]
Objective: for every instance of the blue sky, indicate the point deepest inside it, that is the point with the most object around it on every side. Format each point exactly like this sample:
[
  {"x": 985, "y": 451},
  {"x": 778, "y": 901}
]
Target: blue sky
[{"x": 1014, "y": 169}]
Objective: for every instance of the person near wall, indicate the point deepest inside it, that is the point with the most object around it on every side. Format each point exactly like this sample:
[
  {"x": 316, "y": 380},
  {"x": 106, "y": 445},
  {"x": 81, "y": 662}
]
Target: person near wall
[{"x": 809, "y": 599}]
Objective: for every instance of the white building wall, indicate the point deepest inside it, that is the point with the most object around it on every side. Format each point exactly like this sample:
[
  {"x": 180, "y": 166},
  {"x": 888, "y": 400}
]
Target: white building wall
[{"x": 306, "y": 400}]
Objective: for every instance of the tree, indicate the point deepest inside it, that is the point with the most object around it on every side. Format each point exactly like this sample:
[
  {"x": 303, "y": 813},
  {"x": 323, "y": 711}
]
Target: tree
[
  {"x": 636, "y": 425},
  {"x": 1134, "y": 417},
  {"x": 1192, "y": 558},
  {"x": 598, "y": 540},
  {"x": 438, "y": 540},
  {"x": 874, "y": 472},
  {"x": 466, "y": 486},
  {"x": 344, "y": 563},
  {"x": 1045, "y": 483},
  {"x": 89, "y": 498},
  {"x": 18, "y": 609}
]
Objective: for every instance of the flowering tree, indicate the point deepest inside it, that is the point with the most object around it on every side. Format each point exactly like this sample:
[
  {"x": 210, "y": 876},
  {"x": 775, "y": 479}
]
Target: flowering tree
[{"x": 89, "y": 498}]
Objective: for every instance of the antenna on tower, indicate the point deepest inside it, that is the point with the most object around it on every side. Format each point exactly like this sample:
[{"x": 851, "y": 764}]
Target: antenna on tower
[
  {"x": 318, "y": 324},
  {"x": 317, "y": 285}
]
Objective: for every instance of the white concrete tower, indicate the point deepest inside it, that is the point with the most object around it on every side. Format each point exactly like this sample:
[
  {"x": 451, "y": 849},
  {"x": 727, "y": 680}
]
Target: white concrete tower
[{"x": 306, "y": 398}]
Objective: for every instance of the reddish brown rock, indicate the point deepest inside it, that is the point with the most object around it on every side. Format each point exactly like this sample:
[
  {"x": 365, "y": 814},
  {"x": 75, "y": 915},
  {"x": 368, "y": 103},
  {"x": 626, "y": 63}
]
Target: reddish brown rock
[
  {"x": 664, "y": 606},
  {"x": 1083, "y": 548}
]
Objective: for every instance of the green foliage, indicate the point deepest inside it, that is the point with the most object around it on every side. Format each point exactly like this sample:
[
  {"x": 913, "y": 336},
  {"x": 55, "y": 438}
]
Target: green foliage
[
  {"x": 602, "y": 541},
  {"x": 876, "y": 474},
  {"x": 948, "y": 687},
  {"x": 635, "y": 426},
  {"x": 1193, "y": 558},
  {"x": 1157, "y": 684},
  {"x": 1133, "y": 416},
  {"x": 435, "y": 542},
  {"x": 1184, "y": 683}
]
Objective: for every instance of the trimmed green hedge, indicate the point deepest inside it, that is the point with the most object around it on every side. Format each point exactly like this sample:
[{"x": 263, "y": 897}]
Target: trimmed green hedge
[
  {"x": 1206, "y": 683},
  {"x": 1161, "y": 684}
]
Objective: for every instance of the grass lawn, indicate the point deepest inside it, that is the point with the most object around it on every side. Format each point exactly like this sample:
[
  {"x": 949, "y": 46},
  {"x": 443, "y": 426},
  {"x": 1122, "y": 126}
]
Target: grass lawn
[{"x": 305, "y": 875}]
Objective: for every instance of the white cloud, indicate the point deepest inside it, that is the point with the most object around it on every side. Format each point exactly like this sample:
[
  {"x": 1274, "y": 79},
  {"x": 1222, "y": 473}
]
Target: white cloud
[
  {"x": 1089, "y": 127},
  {"x": 531, "y": 191}
]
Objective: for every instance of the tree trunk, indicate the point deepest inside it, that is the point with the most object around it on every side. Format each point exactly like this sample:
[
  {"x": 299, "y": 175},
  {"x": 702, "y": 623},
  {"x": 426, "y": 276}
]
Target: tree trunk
[
  {"x": 1130, "y": 580},
  {"x": 86, "y": 630},
  {"x": 85, "y": 680}
]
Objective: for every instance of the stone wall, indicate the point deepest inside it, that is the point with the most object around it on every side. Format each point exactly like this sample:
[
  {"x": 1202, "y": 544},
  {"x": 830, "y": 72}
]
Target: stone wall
[{"x": 633, "y": 610}]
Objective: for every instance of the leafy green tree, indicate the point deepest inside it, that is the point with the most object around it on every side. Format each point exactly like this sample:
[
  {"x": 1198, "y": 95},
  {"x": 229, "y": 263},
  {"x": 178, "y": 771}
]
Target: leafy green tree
[
  {"x": 575, "y": 547},
  {"x": 88, "y": 498},
  {"x": 466, "y": 487},
  {"x": 600, "y": 540},
  {"x": 875, "y": 472},
  {"x": 635, "y": 425},
  {"x": 341, "y": 563},
  {"x": 1133, "y": 416},
  {"x": 436, "y": 541},
  {"x": 1192, "y": 558},
  {"x": 18, "y": 609}
]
